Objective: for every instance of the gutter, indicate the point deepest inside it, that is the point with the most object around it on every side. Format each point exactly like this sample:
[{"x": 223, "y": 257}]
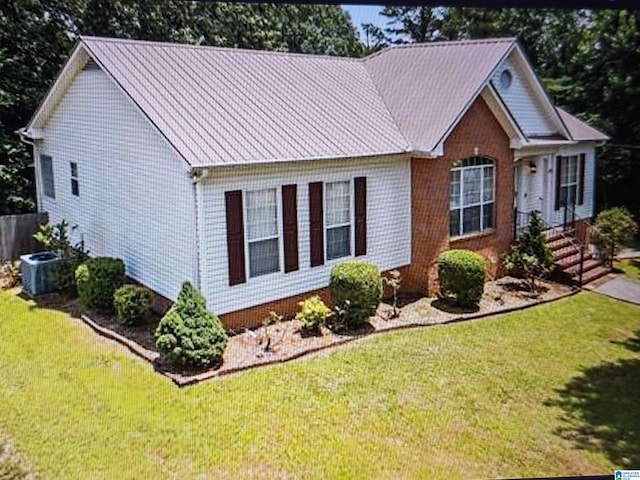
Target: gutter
[{"x": 24, "y": 138}]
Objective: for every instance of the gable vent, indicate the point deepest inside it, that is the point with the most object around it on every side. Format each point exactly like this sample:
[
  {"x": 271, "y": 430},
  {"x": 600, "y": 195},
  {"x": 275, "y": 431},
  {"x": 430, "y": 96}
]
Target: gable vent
[{"x": 91, "y": 65}]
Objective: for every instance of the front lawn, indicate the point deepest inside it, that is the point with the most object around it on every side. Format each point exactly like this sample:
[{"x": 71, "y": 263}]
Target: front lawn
[
  {"x": 630, "y": 267},
  {"x": 547, "y": 391}
]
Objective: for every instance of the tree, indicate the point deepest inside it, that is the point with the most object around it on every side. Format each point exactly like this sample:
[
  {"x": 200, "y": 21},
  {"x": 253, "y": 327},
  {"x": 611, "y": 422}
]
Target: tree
[
  {"x": 613, "y": 230},
  {"x": 531, "y": 257}
]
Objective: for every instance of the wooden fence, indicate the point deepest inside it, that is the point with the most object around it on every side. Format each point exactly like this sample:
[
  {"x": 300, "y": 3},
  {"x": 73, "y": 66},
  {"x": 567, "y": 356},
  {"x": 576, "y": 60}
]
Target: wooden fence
[{"x": 16, "y": 234}]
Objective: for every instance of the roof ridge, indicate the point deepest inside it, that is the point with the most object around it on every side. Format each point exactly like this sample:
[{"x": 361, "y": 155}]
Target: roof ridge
[
  {"x": 444, "y": 43},
  {"x": 153, "y": 43}
]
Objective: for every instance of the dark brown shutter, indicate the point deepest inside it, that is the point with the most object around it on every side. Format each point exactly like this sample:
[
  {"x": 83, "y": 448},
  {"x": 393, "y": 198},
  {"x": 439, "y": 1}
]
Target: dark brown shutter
[
  {"x": 316, "y": 226},
  {"x": 235, "y": 237},
  {"x": 580, "y": 195},
  {"x": 360, "y": 189},
  {"x": 290, "y": 227},
  {"x": 558, "y": 173}
]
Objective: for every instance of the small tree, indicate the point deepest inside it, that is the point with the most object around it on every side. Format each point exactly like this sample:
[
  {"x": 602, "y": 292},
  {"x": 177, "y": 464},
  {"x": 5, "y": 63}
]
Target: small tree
[
  {"x": 394, "y": 280},
  {"x": 189, "y": 334},
  {"x": 614, "y": 229},
  {"x": 531, "y": 258}
]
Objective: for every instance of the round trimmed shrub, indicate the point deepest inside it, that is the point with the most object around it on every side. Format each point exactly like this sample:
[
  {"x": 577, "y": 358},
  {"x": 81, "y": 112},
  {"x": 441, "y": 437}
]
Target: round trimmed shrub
[
  {"x": 97, "y": 279},
  {"x": 132, "y": 304},
  {"x": 357, "y": 290},
  {"x": 189, "y": 334},
  {"x": 461, "y": 274},
  {"x": 313, "y": 313}
]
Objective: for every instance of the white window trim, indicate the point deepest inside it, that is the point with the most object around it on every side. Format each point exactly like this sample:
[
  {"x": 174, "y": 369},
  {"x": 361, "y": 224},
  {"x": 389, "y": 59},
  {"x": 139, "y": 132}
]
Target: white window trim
[
  {"x": 351, "y": 223},
  {"x": 480, "y": 204},
  {"x": 247, "y": 260}
]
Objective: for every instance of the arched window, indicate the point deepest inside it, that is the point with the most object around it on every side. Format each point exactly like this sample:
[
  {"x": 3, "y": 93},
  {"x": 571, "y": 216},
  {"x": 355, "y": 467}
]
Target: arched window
[{"x": 472, "y": 197}]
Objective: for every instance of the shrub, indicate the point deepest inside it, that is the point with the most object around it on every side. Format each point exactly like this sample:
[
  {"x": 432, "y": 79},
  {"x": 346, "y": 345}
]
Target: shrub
[
  {"x": 132, "y": 304},
  {"x": 97, "y": 280},
  {"x": 189, "y": 334},
  {"x": 9, "y": 274},
  {"x": 613, "y": 230},
  {"x": 531, "y": 257},
  {"x": 357, "y": 290},
  {"x": 313, "y": 313},
  {"x": 56, "y": 238},
  {"x": 461, "y": 275}
]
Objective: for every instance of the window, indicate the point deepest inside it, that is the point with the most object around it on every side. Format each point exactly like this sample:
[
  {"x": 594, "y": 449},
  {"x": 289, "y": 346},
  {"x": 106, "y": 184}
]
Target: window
[
  {"x": 568, "y": 180},
  {"x": 472, "y": 196},
  {"x": 262, "y": 232},
  {"x": 338, "y": 219},
  {"x": 46, "y": 168},
  {"x": 75, "y": 187},
  {"x": 505, "y": 79}
]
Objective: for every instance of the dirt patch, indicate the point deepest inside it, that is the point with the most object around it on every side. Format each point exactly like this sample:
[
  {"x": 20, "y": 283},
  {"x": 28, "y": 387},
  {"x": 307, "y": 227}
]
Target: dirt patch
[{"x": 288, "y": 340}]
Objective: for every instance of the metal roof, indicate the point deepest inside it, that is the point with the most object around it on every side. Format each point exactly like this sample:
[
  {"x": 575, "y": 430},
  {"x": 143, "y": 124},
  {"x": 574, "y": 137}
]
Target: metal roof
[
  {"x": 580, "y": 130},
  {"x": 224, "y": 106},
  {"x": 221, "y": 106},
  {"x": 428, "y": 86}
]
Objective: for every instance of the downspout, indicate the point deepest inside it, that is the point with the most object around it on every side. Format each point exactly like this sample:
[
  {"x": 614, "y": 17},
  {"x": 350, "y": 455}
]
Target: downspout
[{"x": 194, "y": 180}]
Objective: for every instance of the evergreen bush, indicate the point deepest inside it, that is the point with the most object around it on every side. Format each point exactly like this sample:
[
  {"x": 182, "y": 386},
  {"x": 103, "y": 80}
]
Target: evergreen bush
[
  {"x": 189, "y": 334},
  {"x": 613, "y": 230},
  {"x": 461, "y": 274},
  {"x": 97, "y": 279},
  {"x": 132, "y": 304},
  {"x": 357, "y": 290}
]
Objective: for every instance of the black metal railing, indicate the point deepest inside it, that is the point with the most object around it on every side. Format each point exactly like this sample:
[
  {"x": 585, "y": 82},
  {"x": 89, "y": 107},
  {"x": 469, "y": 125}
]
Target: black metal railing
[{"x": 570, "y": 222}]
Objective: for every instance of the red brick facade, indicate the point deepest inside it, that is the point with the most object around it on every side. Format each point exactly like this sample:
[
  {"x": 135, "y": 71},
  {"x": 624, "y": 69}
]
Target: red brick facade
[{"x": 478, "y": 131}]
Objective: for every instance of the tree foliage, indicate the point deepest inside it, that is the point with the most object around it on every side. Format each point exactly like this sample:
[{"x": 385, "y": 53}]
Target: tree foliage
[
  {"x": 613, "y": 230},
  {"x": 531, "y": 257},
  {"x": 36, "y": 37}
]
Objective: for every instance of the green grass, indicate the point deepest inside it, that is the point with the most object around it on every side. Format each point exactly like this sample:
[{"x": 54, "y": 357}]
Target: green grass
[
  {"x": 547, "y": 391},
  {"x": 630, "y": 267}
]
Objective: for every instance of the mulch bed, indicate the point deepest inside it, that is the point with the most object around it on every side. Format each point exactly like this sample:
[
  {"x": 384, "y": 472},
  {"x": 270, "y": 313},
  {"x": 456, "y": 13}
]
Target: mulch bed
[{"x": 287, "y": 340}]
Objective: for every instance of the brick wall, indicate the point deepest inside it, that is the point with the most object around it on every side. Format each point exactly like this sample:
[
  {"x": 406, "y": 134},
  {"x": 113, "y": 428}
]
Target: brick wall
[{"x": 430, "y": 184}]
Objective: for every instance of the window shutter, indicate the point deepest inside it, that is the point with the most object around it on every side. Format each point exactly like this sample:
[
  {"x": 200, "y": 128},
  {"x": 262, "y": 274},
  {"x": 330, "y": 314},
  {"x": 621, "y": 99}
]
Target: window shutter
[
  {"x": 581, "y": 163},
  {"x": 235, "y": 237},
  {"x": 290, "y": 227},
  {"x": 558, "y": 173},
  {"x": 360, "y": 189},
  {"x": 316, "y": 226}
]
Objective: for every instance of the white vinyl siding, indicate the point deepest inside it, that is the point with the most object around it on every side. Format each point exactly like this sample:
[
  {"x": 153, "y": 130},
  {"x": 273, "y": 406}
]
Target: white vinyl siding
[
  {"x": 521, "y": 101},
  {"x": 137, "y": 200},
  {"x": 388, "y": 225}
]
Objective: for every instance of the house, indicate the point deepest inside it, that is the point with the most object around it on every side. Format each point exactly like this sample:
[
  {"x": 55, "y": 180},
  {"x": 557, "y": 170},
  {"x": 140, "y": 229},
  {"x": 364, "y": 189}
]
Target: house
[{"x": 252, "y": 173}]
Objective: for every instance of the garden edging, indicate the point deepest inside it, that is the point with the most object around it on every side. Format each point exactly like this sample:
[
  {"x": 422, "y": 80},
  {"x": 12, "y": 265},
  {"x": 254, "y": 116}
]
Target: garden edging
[{"x": 181, "y": 380}]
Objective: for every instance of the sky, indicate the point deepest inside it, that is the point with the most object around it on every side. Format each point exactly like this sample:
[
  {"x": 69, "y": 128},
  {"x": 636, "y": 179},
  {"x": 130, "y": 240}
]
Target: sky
[{"x": 365, "y": 14}]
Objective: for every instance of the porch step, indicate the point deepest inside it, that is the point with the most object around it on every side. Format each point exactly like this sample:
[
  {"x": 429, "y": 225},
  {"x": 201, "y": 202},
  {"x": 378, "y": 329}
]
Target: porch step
[
  {"x": 594, "y": 274},
  {"x": 559, "y": 243},
  {"x": 587, "y": 266},
  {"x": 573, "y": 258}
]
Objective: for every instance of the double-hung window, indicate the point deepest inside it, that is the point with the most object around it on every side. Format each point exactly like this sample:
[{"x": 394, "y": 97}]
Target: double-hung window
[
  {"x": 75, "y": 186},
  {"x": 338, "y": 219},
  {"x": 568, "y": 180},
  {"x": 262, "y": 232},
  {"x": 472, "y": 196},
  {"x": 46, "y": 169}
]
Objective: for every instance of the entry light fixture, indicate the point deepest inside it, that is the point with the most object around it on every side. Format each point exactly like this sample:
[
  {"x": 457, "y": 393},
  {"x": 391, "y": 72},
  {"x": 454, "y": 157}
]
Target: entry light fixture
[{"x": 532, "y": 167}]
